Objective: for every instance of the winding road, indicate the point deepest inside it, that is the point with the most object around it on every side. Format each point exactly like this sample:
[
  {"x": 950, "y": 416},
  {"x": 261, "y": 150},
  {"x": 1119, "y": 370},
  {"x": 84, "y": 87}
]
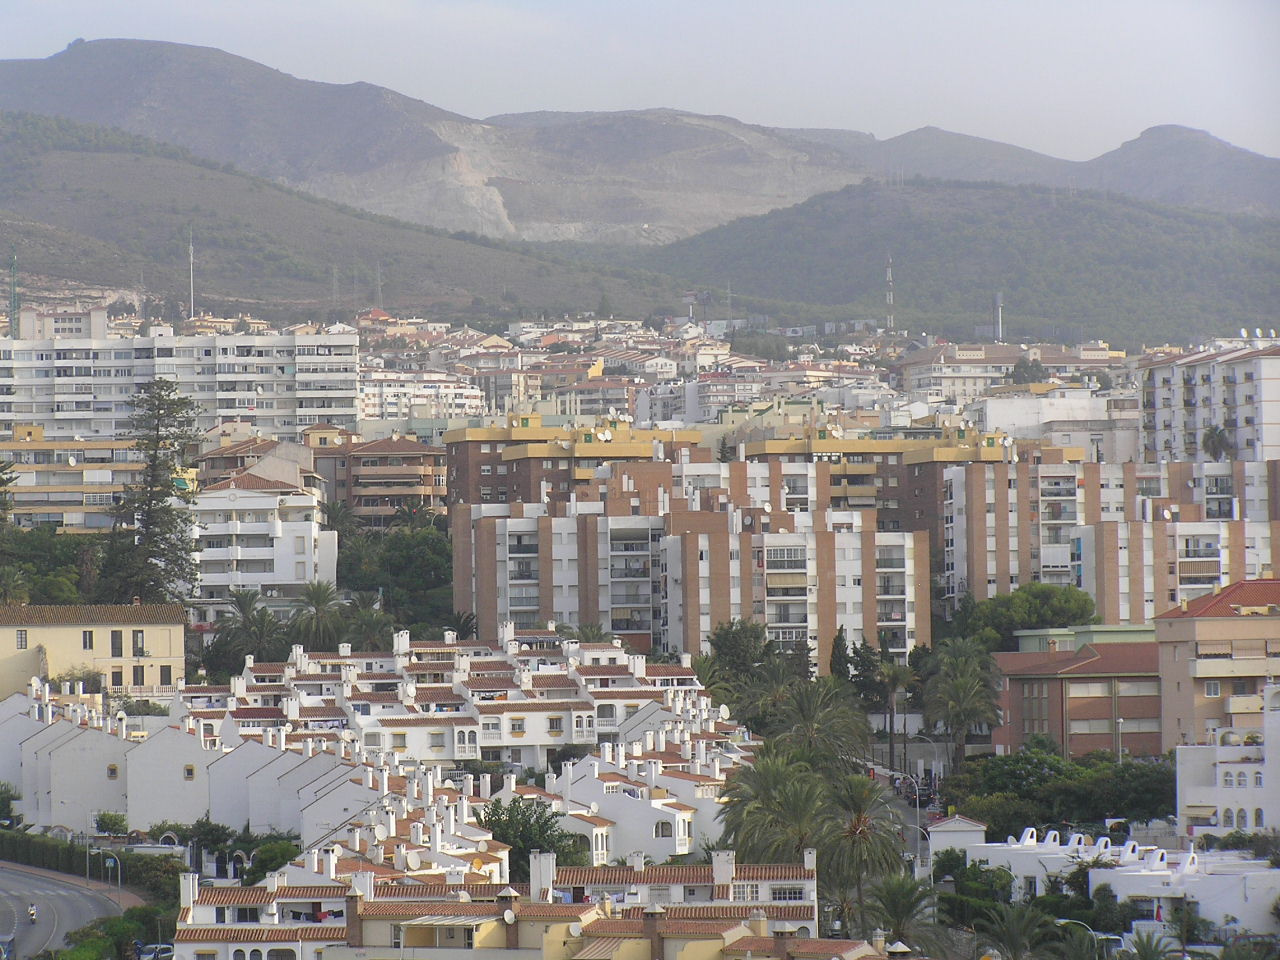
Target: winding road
[{"x": 61, "y": 906}]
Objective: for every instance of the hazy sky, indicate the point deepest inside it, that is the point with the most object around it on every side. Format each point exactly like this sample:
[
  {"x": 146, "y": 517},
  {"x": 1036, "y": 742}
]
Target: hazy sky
[{"x": 1073, "y": 78}]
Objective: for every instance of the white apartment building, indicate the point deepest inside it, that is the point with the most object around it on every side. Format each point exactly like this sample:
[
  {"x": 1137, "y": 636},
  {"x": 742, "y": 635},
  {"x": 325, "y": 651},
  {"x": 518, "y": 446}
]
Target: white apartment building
[
  {"x": 1140, "y": 538},
  {"x": 82, "y": 387},
  {"x": 394, "y": 395},
  {"x": 1237, "y": 388},
  {"x": 258, "y": 533},
  {"x": 1231, "y": 784}
]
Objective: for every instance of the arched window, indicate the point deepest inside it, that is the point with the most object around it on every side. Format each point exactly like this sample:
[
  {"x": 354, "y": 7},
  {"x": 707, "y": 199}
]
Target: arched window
[
  {"x": 1257, "y": 779},
  {"x": 1242, "y": 779},
  {"x": 238, "y": 955},
  {"x": 1228, "y": 818},
  {"x": 1228, "y": 781},
  {"x": 255, "y": 955},
  {"x": 278, "y": 953},
  {"x": 462, "y": 738},
  {"x": 662, "y": 828},
  {"x": 471, "y": 737},
  {"x": 1242, "y": 819},
  {"x": 1257, "y": 819}
]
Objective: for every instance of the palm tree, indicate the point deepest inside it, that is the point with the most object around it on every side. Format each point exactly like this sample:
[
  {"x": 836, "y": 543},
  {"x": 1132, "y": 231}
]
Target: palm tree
[
  {"x": 416, "y": 513},
  {"x": 715, "y": 679},
  {"x": 1018, "y": 931},
  {"x": 904, "y": 907},
  {"x": 749, "y": 799},
  {"x": 1216, "y": 442},
  {"x": 895, "y": 677},
  {"x": 13, "y": 586},
  {"x": 340, "y": 517},
  {"x": 249, "y": 629},
  {"x": 461, "y": 623},
  {"x": 1148, "y": 946},
  {"x": 317, "y": 621},
  {"x": 866, "y": 840},
  {"x": 960, "y": 695},
  {"x": 585, "y": 633},
  {"x": 822, "y": 723},
  {"x": 369, "y": 627},
  {"x": 1076, "y": 943},
  {"x": 759, "y": 695}
]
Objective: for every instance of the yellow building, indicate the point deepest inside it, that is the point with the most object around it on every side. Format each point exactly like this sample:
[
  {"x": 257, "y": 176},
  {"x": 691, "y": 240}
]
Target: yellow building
[
  {"x": 137, "y": 649},
  {"x": 67, "y": 484}
]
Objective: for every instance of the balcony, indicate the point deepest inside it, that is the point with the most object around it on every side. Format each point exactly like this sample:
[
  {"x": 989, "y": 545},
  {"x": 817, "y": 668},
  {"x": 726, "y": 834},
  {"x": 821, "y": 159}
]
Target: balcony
[
  {"x": 1051, "y": 492},
  {"x": 517, "y": 549},
  {"x": 891, "y": 561},
  {"x": 522, "y": 603},
  {"x": 523, "y": 573},
  {"x": 1202, "y": 552},
  {"x": 629, "y": 546},
  {"x": 629, "y": 571},
  {"x": 1212, "y": 668},
  {"x": 630, "y": 625},
  {"x": 1244, "y": 704}
]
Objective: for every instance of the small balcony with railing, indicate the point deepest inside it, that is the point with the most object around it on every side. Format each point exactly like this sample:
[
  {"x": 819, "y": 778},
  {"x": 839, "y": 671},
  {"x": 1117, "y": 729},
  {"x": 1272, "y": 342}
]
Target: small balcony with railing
[{"x": 891, "y": 560}]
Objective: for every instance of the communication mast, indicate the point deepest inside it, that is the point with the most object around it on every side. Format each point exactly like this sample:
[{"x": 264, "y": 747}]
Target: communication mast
[{"x": 888, "y": 292}]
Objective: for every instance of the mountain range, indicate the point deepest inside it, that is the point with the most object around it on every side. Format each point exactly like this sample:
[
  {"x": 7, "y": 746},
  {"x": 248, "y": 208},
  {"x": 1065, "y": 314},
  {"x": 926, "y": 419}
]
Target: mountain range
[{"x": 640, "y": 176}]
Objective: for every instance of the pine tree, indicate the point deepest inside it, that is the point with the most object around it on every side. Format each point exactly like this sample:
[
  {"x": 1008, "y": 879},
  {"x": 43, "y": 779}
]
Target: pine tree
[
  {"x": 149, "y": 554},
  {"x": 840, "y": 663}
]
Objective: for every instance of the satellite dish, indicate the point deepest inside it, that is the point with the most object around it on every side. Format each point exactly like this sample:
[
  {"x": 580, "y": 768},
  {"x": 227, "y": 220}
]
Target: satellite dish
[
  {"x": 724, "y": 711},
  {"x": 1244, "y": 332},
  {"x": 608, "y": 435},
  {"x": 1167, "y": 514},
  {"x": 71, "y": 461},
  {"x": 1272, "y": 331},
  {"x": 600, "y": 435},
  {"x": 1257, "y": 331},
  {"x": 575, "y": 929},
  {"x": 594, "y": 808},
  {"x": 768, "y": 508},
  {"x": 413, "y": 860},
  {"x": 509, "y": 917},
  {"x": 379, "y": 832},
  {"x": 613, "y": 411}
]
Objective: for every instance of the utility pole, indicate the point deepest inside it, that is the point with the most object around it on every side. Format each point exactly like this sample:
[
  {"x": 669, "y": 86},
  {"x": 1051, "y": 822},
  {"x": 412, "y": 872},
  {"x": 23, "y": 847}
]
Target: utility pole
[
  {"x": 191, "y": 272},
  {"x": 888, "y": 292}
]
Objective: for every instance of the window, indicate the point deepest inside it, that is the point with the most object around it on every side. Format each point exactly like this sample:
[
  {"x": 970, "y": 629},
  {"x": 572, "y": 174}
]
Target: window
[
  {"x": 1228, "y": 781},
  {"x": 1212, "y": 689},
  {"x": 1098, "y": 725},
  {"x": 1139, "y": 688},
  {"x": 248, "y": 915},
  {"x": 1242, "y": 779},
  {"x": 397, "y": 935},
  {"x": 113, "y": 772},
  {"x": 662, "y": 828},
  {"x": 117, "y": 677},
  {"x": 517, "y": 725},
  {"x": 1099, "y": 688},
  {"x": 117, "y": 644},
  {"x": 437, "y": 741},
  {"x": 86, "y": 639},
  {"x": 22, "y": 639},
  {"x": 748, "y": 892},
  {"x": 1242, "y": 819},
  {"x": 555, "y": 724},
  {"x": 138, "y": 678},
  {"x": 1257, "y": 819},
  {"x": 139, "y": 643},
  {"x": 166, "y": 675},
  {"x": 398, "y": 741},
  {"x": 1257, "y": 779},
  {"x": 788, "y": 893}
]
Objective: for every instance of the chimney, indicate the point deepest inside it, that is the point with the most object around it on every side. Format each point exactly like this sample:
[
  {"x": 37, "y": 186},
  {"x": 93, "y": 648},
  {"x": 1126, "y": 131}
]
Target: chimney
[
  {"x": 417, "y": 833},
  {"x": 486, "y": 785},
  {"x": 344, "y": 649},
  {"x": 313, "y": 861},
  {"x": 188, "y": 889},
  {"x": 542, "y": 876},
  {"x": 606, "y": 753},
  {"x": 723, "y": 867},
  {"x": 810, "y": 859},
  {"x": 437, "y": 838},
  {"x": 877, "y": 941},
  {"x": 758, "y": 923},
  {"x": 650, "y": 919},
  {"x": 398, "y": 857},
  {"x": 781, "y": 940},
  {"x": 331, "y": 863},
  {"x": 635, "y": 860},
  {"x": 137, "y": 601},
  {"x": 566, "y": 783},
  {"x": 384, "y": 781},
  {"x": 507, "y": 900}
]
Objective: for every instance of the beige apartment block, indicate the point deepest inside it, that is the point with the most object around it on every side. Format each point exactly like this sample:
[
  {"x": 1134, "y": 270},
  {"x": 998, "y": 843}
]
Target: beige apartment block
[
  {"x": 1216, "y": 653},
  {"x": 137, "y": 649}
]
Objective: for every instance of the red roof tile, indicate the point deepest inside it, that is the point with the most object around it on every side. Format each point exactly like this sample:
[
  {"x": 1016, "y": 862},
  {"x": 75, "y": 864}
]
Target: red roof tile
[{"x": 1229, "y": 601}]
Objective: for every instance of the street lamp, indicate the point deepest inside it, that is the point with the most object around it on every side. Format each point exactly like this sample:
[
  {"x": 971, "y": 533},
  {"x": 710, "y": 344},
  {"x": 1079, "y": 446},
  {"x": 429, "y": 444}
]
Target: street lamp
[
  {"x": 1119, "y": 739},
  {"x": 1063, "y": 921},
  {"x": 937, "y": 760}
]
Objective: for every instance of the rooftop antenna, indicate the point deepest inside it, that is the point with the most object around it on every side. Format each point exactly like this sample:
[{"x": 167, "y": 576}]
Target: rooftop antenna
[
  {"x": 888, "y": 292},
  {"x": 729, "y": 287},
  {"x": 999, "y": 316},
  {"x": 377, "y": 281},
  {"x": 191, "y": 271}
]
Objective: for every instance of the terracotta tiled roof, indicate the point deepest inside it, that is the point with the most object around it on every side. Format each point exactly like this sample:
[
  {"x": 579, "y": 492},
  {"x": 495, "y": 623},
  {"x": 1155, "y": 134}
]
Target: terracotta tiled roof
[
  {"x": 321, "y": 713},
  {"x": 374, "y": 696},
  {"x": 628, "y": 693},
  {"x": 250, "y": 481},
  {"x": 553, "y": 681},
  {"x": 604, "y": 670},
  {"x": 225, "y": 933},
  {"x": 430, "y": 720},
  {"x": 593, "y": 820},
  {"x": 765, "y": 947},
  {"x": 726, "y": 911},
  {"x": 667, "y": 928},
  {"x": 553, "y": 910},
  {"x": 667, "y": 670},
  {"x": 1229, "y": 601},
  {"x": 429, "y": 908},
  {"x": 531, "y": 706},
  {"x": 204, "y": 691},
  {"x": 489, "y": 683},
  {"x": 257, "y": 713},
  {"x": 56, "y": 615},
  {"x": 771, "y": 871},
  {"x": 265, "y": 668},
  {"x": 375, "y": 677},
  {"x": 615, "y": 876}
]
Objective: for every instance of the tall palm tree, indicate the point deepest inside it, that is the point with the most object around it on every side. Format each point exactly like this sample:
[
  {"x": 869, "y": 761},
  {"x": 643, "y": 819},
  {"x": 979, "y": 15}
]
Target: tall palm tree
[
  {"x": 369, "y": 627},
  {"x": 759, "y": 695},
  {"x": 1075, "y": 943},
  {"x": 14, "y": 588},
  {"x": 317, "y": 620},
  {"x": 754, "y": 788},
  {"x": 960, "y": 695},
  {"x": 715, "y": 679},
  {"x": 866, "y": 840},
  {"x": 340, "y": 517},
  {"x": 822, "y": 723},
  {"x": 249, "y": 629},
  {"x": 462, "y": 623},
  {"x": 1148, "y": 946},
  {"x": 905, "y": 908},
  {"x": 416, "y": 513},
  {"x": 787, "y": 821},
  {"x": 1018, "y": 931},
  {"x": 895, "y": 678},
  {"x": 1216, "y": 442}
]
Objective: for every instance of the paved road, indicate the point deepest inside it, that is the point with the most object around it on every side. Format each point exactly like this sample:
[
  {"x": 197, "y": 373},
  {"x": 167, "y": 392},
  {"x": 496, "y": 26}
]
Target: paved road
[{"x": 61, "y": 907}]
